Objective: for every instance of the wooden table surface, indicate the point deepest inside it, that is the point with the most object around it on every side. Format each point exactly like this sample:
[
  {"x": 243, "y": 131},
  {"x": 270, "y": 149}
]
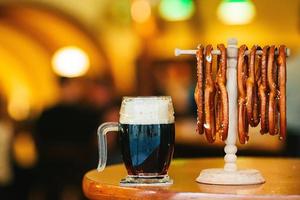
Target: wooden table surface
[{"x": 282, "y": 181}]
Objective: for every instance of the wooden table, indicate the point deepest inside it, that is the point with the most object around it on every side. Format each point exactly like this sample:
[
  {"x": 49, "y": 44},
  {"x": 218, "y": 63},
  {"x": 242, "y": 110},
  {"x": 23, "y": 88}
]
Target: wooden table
[{"x": 282, "y": 181}]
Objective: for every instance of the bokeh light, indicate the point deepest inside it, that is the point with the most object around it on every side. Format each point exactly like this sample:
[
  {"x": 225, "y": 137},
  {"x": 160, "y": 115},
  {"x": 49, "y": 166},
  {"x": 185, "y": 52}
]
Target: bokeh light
[
  {"x": 70, "y": 61},
  {"x": 18, "y": 105},
  {"x": 176, "y": 10},
  {"x": 236, "y": 12},
  {"x": 140, "y": 11},
  {"x": 24, "y": 150}
]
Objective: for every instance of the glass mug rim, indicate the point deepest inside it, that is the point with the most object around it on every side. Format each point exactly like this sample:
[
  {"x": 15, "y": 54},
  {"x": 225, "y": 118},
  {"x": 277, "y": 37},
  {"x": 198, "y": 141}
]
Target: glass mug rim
[{"x": 146, "y": 97}]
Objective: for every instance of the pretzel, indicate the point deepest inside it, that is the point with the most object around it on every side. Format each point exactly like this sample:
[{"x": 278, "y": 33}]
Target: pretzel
[
  {"x": 243, "y": 124},
  {"x": 199, "y": 94},
  {"x": 209, "y": 97},
  {"x": 222, "y": 110},
  {"x": 256, "y": 100},
  {"x": 272, "y": 82},
  {"x": 282, "y": 90},
  {"x": 263, "y": 90},
  {"x": 251, "y": 85}
]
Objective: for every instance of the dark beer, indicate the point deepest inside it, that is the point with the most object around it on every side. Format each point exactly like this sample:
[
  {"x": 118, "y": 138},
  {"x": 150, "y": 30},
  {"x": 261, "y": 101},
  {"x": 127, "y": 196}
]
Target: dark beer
[{"x": 147, "y": 148}]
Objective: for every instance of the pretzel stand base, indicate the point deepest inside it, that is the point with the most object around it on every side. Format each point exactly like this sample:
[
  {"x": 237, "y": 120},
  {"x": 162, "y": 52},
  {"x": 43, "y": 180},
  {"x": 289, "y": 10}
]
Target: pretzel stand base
[
  {"x": 238, "y": 177},
  {"x": 230, "y": 175}
]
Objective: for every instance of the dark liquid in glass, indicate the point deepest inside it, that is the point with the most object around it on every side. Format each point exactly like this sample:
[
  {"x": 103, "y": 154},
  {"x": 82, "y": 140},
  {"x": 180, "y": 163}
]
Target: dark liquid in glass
[{"x": 147, "y": 149}]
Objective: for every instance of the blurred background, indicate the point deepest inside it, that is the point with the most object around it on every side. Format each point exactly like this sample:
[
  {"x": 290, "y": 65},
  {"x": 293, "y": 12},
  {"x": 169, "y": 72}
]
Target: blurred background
[{"x": 65, "y": 65}]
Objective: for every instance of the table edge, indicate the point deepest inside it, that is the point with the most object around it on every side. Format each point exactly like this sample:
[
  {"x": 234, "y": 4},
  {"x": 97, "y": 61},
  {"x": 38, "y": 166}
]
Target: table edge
[{"x": 103, "y": 192}]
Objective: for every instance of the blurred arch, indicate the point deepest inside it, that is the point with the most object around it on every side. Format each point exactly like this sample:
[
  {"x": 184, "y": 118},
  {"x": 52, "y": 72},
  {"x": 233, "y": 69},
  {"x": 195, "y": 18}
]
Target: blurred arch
[{"x": 29, "y": 36}]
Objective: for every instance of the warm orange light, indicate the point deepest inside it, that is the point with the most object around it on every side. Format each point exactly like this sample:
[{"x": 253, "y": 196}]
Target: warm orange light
[
  {"x": 18, "y": 103},
  {"x": 140, "y": 11},
  {"x": 70, "y": 61},
  {"x": 24, "y": 150}
]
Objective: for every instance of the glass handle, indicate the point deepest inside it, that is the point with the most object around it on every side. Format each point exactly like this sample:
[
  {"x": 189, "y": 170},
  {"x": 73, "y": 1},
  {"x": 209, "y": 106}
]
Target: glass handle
[{"x": 102, "y": 142}]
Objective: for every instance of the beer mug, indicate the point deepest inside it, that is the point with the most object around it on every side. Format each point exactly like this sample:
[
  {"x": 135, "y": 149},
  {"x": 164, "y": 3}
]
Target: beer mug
[{"x": 147, "y": 135}]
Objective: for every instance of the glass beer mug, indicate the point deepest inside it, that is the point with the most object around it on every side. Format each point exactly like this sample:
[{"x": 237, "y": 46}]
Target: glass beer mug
[{"x": 147, "y": 135}]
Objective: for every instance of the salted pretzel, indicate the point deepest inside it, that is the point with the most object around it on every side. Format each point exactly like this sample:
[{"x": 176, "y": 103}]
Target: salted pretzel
[
  {"x": 209, "y": 97},
  {"x": 256, "y": 100},
  {"x": 222, "y": 110},
  {"x": 242, "y": 74},
  {"x": 199, "y": 91},
  {"x": 281, "y": 60},
  {"x": 273, "y": 102},
  {"x": 263, "y": 91},
  {"x": 251, "y": 88}
]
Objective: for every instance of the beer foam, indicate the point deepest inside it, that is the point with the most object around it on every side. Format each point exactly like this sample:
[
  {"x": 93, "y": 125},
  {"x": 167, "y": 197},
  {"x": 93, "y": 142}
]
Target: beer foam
[{"x": 147, "y": 110}]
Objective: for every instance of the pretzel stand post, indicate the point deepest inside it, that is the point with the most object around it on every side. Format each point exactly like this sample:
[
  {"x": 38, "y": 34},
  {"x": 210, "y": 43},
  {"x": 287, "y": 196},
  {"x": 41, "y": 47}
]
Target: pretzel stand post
[{"x": 230, "y": 174}]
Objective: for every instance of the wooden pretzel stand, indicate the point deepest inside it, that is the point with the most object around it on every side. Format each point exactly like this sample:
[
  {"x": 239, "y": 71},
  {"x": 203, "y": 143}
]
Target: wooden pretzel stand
[{"x": 230, "y": 174}]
